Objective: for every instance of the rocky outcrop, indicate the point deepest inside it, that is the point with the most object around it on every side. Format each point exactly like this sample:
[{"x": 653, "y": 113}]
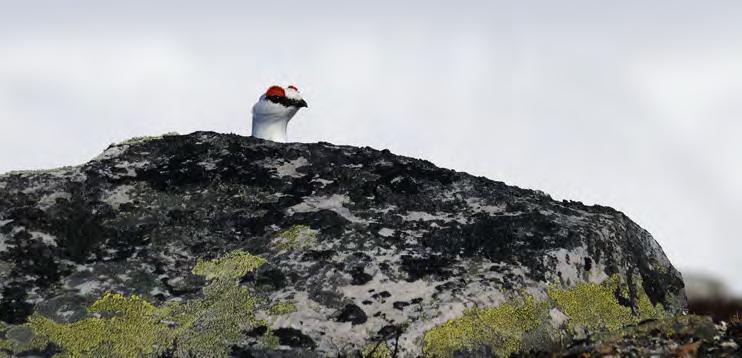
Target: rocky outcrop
[{"x": 214, "y": 245}]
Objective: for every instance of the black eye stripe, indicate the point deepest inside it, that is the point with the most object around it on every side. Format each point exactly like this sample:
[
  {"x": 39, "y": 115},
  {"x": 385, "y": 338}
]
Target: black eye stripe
[{"x": 285, "y": 101}]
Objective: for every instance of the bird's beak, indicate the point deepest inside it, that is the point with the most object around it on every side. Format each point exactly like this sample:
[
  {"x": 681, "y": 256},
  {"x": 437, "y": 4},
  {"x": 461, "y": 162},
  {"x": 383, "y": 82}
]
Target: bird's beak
[{"x": 302, "y": 103}]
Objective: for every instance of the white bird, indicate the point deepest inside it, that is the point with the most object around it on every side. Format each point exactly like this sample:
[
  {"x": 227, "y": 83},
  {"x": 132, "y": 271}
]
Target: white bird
[{"x": 274, "y": 110}]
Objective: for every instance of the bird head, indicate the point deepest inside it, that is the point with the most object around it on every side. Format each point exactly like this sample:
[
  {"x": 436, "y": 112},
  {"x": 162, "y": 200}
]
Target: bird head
[
  {"x": 277, "y": 101},
  {"x": 274, "y": 110}
]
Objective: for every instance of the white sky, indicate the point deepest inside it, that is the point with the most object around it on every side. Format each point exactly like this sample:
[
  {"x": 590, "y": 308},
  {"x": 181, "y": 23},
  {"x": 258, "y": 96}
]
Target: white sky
[{"x": 626, "y": 104}]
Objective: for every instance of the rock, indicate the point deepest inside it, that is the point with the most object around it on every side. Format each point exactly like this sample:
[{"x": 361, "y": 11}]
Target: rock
[
  {"x": 679, "y": 336},
  {"x": 214, "y": 245},
  {"x": 708, "y": 296},
  {"x": 702, "y": 287}
]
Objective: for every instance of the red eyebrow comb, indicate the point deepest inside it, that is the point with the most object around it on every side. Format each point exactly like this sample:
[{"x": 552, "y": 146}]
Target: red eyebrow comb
[{"x": 275, "y": 91}]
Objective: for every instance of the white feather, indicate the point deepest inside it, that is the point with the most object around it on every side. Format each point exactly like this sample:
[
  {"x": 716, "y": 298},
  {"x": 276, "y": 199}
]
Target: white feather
[{"x": 270, "y": 120}]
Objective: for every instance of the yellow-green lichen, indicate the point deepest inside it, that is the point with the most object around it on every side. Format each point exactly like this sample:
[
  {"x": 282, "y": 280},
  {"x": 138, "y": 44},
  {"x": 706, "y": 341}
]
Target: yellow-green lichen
[
  {"x": 296, "y": 238},
  {"x": 19, "y": 339},
  {"x": 226, "y": 310},
  {"x": 594, "y": 307},
  {"x": 134, "y": 328},
  {"x": 501, "y": 328},
  {"x": 122, "y": 326},
  {"x": 282, "y": 308},
  {"x": 512, "y": 325},
  {"x": 232, "y": 266},
  {"x": 591, "y": 306},
  {"x": 269, "y": 340},
  {"x": 645, "y": 309},
  {"x": 377, "y": 350}
]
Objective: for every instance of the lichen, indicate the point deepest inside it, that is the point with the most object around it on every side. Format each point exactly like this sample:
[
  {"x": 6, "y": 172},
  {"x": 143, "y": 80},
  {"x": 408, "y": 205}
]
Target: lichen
[
  {"x": 501, "y": 328},
  {"x": 511, "y": 326},
  {"x": 269, "y": 340},
  {"x": 129, "y": 326},
  {"x": 18, "y": 339},
  {"x": 591, "y": 306},
  {"x": 233, "y": 265},
  {"x": 296, "y": 238},
  {"x": 282, "y": 308},
  {"x": 134, "y": 328},
  {"x": 377, "y": 350},
  {"x": 595, "y": 307},
  {"x": 645, "y": 309},
  {"x": 219, "y": 318}
]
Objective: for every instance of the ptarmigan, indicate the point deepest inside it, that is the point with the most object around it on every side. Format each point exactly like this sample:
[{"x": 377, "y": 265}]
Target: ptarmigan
[{"x": 274, "y": 110}]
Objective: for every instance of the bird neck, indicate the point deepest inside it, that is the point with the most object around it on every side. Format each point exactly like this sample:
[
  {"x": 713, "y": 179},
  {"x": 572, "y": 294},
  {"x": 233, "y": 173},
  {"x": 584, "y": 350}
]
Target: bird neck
[{"x": 270, "y": 128}]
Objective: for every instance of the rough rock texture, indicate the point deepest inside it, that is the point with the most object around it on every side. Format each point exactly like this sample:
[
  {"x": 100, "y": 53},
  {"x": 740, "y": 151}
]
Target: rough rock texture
[
  {"x": 230, "y": 245},
  {"x": 680, "y": 336}
]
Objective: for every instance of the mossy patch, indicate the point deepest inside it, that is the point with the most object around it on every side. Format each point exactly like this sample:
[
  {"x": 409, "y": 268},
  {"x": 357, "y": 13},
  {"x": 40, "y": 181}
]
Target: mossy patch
[
  {"x": 269, "y": 340},
  {"x": 129, "y": 326},
  {"x": 134, "y": 328},
  {"x": 215, "y": 321},
  {"x": 296, "y": 238},
  {"x": 282, "y": 308},
  {"x": 501, "y": 328},
  {"x": 232, "y": 266},
  {"x": 505, "y": 328},
  {"x": 595, "y": 307},
  {"x": 377, "y": 350},
  {"x": 17, "y": 339}
]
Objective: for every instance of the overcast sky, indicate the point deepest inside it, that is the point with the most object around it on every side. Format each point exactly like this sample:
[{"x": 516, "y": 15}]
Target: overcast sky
[{"x": 631, "y": 104}]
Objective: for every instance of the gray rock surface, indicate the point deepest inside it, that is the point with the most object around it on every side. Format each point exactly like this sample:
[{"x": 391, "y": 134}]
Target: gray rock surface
[{"x": 361, "y": 246}]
